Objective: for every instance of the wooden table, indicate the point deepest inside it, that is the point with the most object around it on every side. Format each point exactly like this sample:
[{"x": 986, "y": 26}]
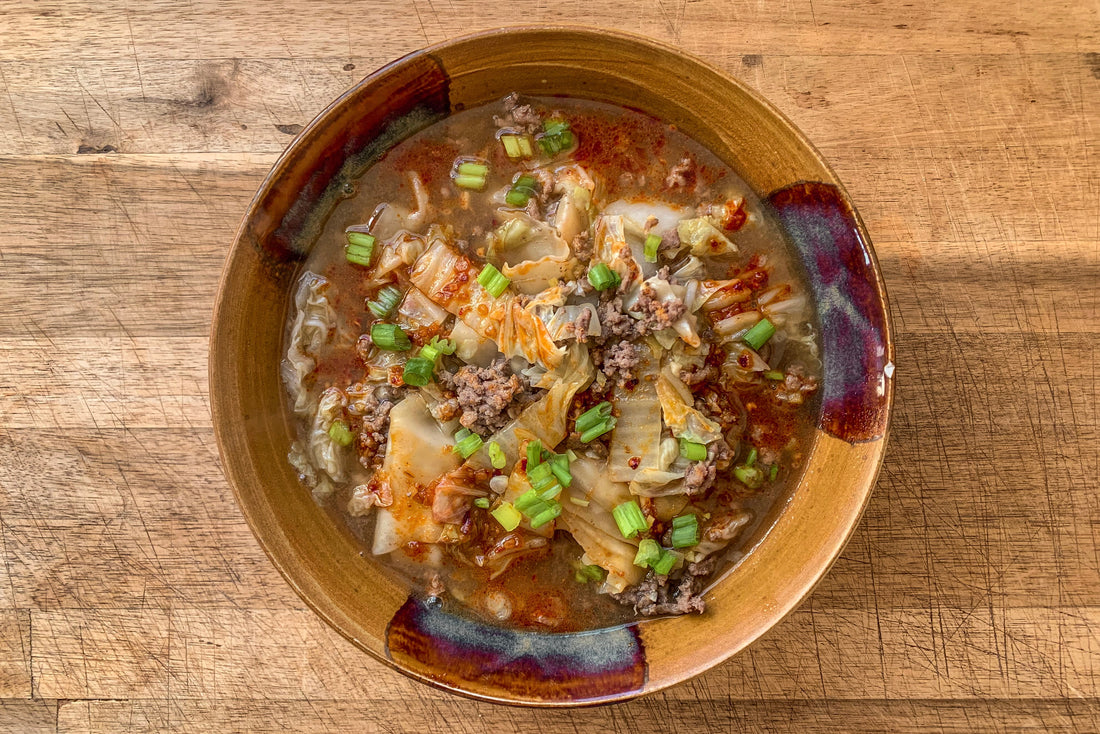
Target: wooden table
[{"x": 134, "y": 597}]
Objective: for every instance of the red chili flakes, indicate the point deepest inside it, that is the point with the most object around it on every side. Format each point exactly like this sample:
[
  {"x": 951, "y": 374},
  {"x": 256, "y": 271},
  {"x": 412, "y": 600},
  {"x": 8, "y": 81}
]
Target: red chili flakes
[{"x": 634, "y": 462}]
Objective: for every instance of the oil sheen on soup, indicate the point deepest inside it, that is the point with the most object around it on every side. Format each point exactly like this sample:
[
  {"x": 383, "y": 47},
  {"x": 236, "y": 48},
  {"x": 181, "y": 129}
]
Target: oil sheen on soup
[{"x": 551, "y": 362}]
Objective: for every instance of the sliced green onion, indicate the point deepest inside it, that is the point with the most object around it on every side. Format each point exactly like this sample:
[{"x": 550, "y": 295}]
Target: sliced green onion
[
  {"x": 602, "y": 277},
  {"x": 390, "y": 337},
  {"x": 496, "y": 455},
  {"x": 339, "y": 433},
  {"x": 467, "y": 445},
  {"x": 436, "y": 347},
  {"x": 559, "y": 464},
  {"x": 539, "y": 472},
  {"x": 666, "y": 562},
  {"x": 596, "y": 431},
  {"x": 628, "y": 516},
  {"x": 385, "y": 302},
  {"x": 492, "y": 280},
  {"x": 516, "y": 198},
  {"x": 551, "y": 492},
  {"x": 774, "y": 375},
  {"x": 773, "y": 472},
  {"x": 758, "y": 335},
  {"x": 474, "y": 183},
  {"x": 469, "y": 168},
  {"x": 482, "y": 502},
  {"x": 511, "y": 146},
  {"x": 525, "y": 146},
  {"x": 418, "y": 371},
  {"x": 555, "y": 126},
  {"x": 507, "y": 515},
  {"x": 591, "y": 572},
  {"x": 360, "y": 246},
  {"x": 527, "y": 501},
  {"x": 685, "y": 531},
  {"x": 648, "y": 553},
  {"x": 751, "y": 458},
  {"x": 692, "y": 451},
  {"x": 551, "y": 144},
  {"x": 545, "y": 516},
  {"x": 579, "y": 502},
  {"x": 750, "y": 476},
  {"x": 534, "y": 455},
  {"x": 652, "y": 242},
  {"x": 593, "y": 416},
  {"x": 462, "y": 433}
]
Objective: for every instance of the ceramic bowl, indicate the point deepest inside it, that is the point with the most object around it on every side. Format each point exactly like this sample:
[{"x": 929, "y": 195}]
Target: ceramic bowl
[{"x": 793, "y": 548}]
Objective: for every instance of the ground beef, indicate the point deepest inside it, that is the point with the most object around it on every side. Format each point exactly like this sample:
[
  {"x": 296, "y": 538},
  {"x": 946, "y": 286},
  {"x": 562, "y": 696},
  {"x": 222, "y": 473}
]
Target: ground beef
[
  {"x": 721, "y": 406},
  {"x": 696, "y": 375},
  {"x": 701, "y": 475},
  {"x": 795, "y": 386},
  {"x": 615, "y": 323},
  {"x": 521, "y": 117},
  {"x": 658, "y": 595},
  {"x": 619, "y": 361},
  {"x": 657, "y": 314},
  {"x": 483, "y": 395},
  {"x": 582, "y": 246},
  {"x": 683, "y": 175},
  {"x": 578, "y": 328},
  {"x": 374, "y": 429}
]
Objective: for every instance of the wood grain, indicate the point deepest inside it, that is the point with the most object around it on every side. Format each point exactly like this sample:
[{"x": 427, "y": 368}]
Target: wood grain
[{"x": 133, "y": 596}]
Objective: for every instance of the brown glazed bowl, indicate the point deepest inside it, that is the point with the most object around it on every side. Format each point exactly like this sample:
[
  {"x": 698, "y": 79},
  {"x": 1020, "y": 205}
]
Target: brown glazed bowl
[{"x": 795, "y": 545}]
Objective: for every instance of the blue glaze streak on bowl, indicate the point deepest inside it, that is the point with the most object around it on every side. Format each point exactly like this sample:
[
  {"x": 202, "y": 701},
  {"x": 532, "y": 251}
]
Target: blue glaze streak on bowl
[
  {"x": 856, "y": 353},
  {"x": 459, "y": 652}
]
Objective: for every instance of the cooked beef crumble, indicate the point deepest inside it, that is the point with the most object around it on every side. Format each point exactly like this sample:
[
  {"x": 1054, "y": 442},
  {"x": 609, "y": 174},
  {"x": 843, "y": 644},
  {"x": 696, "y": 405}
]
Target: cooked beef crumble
[{"x": 481, "y": 396}]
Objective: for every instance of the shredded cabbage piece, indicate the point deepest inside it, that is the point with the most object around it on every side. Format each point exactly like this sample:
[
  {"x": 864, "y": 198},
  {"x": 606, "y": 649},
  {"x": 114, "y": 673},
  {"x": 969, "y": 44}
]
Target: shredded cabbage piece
[
  {"x": 679, "y": 412},
  {"x": 703, "y": 239}
]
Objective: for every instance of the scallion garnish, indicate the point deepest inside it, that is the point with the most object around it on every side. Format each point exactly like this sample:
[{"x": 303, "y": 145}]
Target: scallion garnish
[
  {"x": 496, "y": 455},
  {"x": 692, "y": 451},
  {"x": 418, "y": 371},
  {"x": 648, "y": 553},
  {"x": 545, "y": 516},
  {"x": 685, "y": 531},
  {"x": 525, "y": 146},
  {"x": 523, "y": 188},
  {"x": 602, "y": 277},
  {"x": 360, "y": 247},
  {"x": 340, "y": 433},
  {"x": 628, "y": 516},
  {"x": 390, "y": 337},
  {"x": 750, "y": 476},
  {"x": 579, "y": 502},
  {"x": 534, "y": 455},
  {"x": 385, "y": 302},
  {"x": 556, "y": 138},
  {"x": 652, "y": 242},
  {"x": 551, "y": 492},
  {"x": 492, "y": 280},
  {"x": 511, "y": 146},
  {"x": 467, "y": 444},
  {"x": 527, "y": 500},
  {"x": 482, "y": 502},
  {"x": 474, "y": 183},
  {"x": 507, "y": 515},
  {"x": 598, "y": 430},
  {"x": 433, "y": 349},
  {"x": 540, "y": 476},
  {"x": 559, "y": 464},
  {"x": 666, "y": 562},
  {"x": 751, "y": 458},
  {"x": 758, "y": 335},
  {"x": 593, "y": 416},
  {"x": 773, "y": 472},
  {"x": 591, "y": 572},
  {"x": 470, "y": 168},
  {"x": 774, "y": 375}
]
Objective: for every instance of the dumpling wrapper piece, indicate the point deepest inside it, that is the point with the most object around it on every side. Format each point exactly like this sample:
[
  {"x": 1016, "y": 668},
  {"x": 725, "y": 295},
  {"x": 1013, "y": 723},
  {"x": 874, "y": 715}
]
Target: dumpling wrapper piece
[
  {"x": 612, "y": 248},
  {"x": 594, "y": 529},
  {"x": 312, "y": 328},
  {"x": 450, "y": 280},
  {"x": 637, "y": 432},
  {"x": 703, "y": 238},
  {"x": 532, "y": 253},
  {"x": 419, "y": 452}
]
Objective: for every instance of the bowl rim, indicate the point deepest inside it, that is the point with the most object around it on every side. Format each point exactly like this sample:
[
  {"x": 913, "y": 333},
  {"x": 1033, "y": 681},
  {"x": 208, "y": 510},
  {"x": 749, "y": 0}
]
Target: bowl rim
[{"x": 849, "y": 523}]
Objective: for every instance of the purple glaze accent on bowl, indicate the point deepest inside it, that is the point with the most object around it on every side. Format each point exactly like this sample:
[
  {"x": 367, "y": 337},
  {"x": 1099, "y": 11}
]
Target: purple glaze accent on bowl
[
  {"x": 577, "y": 666},
  {"x": 841, "y": 271}
]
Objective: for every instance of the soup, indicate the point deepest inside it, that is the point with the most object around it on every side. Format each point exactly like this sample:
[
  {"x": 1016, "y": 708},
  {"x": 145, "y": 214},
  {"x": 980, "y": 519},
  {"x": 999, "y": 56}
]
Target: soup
[{"x": 550, "y": 360}]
